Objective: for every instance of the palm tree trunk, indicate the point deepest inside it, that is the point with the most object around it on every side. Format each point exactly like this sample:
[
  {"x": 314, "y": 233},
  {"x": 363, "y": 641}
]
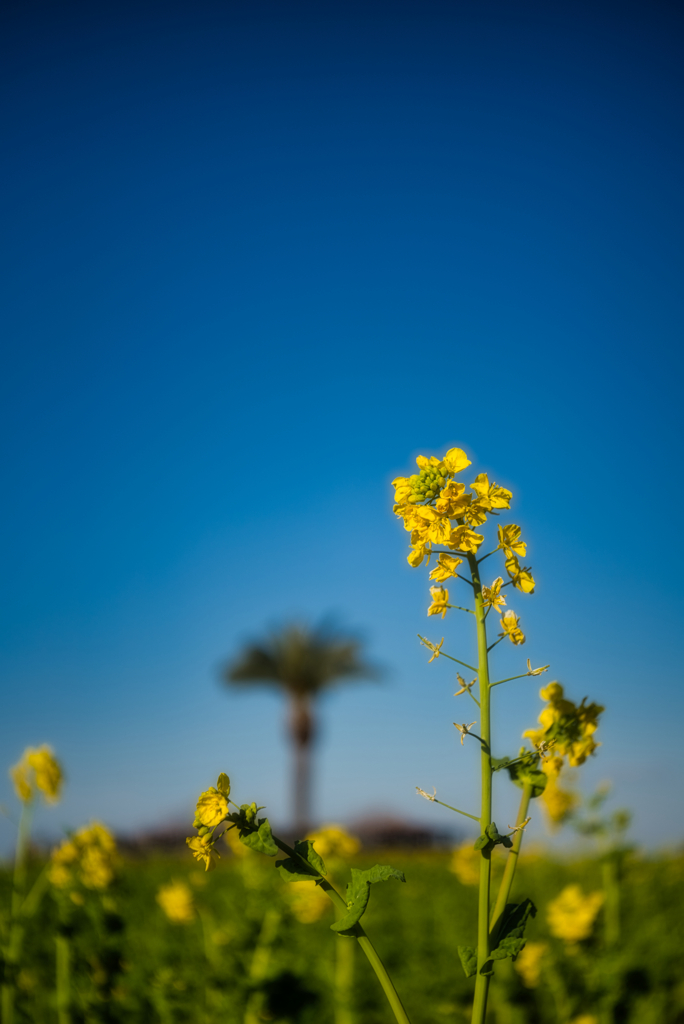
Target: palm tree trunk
[{"x": 302, "y": 732}]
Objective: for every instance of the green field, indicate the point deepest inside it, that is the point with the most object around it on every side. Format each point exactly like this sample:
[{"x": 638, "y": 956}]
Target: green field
[{"x": 244, "y": 956}]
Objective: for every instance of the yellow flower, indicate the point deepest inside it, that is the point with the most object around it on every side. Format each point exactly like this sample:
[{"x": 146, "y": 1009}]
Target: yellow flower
[
  {"x": 509, "y": 622},
  {"x": 419, "y": 551},
  {"x": 402, "y": 489},
  {"x": 463, "y": 539},
  {"x": 307, "y": 901},
  {"x": 529, "y": 963},
  {"x": 453, "y": 502},
  {"x": 558, "y": 803},
  {"x": 509, "y": 540},
  {"x": 202, "y": 849},
  {"x": 96, "y": 868},
  {"x": 572, "y": 914},
  {"x": 440, "y": 601},
  {"x": 492, "y": 494},
  {"x": 521, "y": 578},
  {"x": 445, "y": 568},
  {"x": 176, "y": 901},
  {"x": 465, "y": 864},
  {"x": 476, "y": 513},
  {"x": 455, "y": 460},
  {"x": 37, "y": 769},
  {"x": 88, "y": 858},
  {"x": 492, "y": 595},
  {"x": 567, "y": 728},
  {"x": 212, "y": 807},
  {"x": 334, "y": 841}
]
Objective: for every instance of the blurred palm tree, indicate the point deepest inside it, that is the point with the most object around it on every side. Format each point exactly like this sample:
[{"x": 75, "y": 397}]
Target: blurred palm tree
[{"x": 301, "y": 661}]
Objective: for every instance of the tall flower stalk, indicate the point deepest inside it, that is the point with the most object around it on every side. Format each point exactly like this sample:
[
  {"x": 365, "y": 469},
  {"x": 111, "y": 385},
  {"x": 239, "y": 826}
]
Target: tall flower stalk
[
  {"x": 443, "y": 519},
  {"x": 37, "y": 773}
]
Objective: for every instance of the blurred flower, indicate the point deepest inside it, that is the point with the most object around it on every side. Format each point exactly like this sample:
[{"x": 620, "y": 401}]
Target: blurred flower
[
  {"x": 567, "y": 728},
  {"x": 212, "y": 807},
  {"x": 176, "y": 901},
  {"x": 38, "y": 769},
  {"x": 87, "y": 858},
  {"x": 334, "y": 841},
  {"x": 529, "y": 963},
  {"x": 572, "y": 914},
  {"x": 465, "y": 864},
  {"x": 558, "y": 803},
  {"x": 307, "y": 901}
]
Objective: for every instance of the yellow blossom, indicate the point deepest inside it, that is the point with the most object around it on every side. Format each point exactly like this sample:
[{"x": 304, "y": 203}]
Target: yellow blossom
[
  {"x": 176, "y": 901},
  {"x": 455, "y": 460},
  {"x": 202, "y": 849},
  {"x": 465, "y": 864},
  {"x": 509, "y": 622},
  {"x": 419, "y": 551},
  {"x": 212, "y": 807},
  {"x": 572, "y": 914},
  {"x": 88, "y": 858},
  {"x": 464, "y": 539},
  {"x": 529, "y": 963},
  {"x": 493, "y": 598},
  {"x": 509, "y": 540},
  {"x": 307, "y": 901},
  {"x": 402, "y": 489},
  {"x": 445, "y": 568},
  {"x": 334, "y": 841},
  {"x": 491, "y": 494},
  {"x": 521, "y": 578},
  {"x": 558, "y": 803},
  {"x": 567, "y": 728},
  {"x": 38, "y": 769},
  {"x": 440, "y": 601},
  {"x": 476, "y": 513},
  {"x": 453, "y": 501}
]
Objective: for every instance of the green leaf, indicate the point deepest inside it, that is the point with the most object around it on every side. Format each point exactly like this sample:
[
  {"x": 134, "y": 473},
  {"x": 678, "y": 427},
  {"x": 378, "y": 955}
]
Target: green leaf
[
  {"x": 526, "y": 771},
  {"x": 491, "y": 838},
  {"x": 512, "y": 930},
  {"x": 261, "y": 840},
  {"x": 307, "y": 866},
  {"x": 358, "y": 893},
  {"x": 468, "y": 955},
  {"x": 500, "y": 762},
  {"x": 481, "y": 842}
]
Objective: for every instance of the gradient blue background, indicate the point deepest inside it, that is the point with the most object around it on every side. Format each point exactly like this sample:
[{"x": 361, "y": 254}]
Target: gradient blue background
[{"x": 258, "y": 256}]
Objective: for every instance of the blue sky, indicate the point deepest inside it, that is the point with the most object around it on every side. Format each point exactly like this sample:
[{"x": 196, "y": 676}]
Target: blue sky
[{"x": 257, "y": 257}]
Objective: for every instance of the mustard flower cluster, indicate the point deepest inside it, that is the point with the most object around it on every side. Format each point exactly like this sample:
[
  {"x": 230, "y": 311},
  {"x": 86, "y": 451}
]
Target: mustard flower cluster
[
  {"x": 212, "y": 810},
  {"x": 567, "y": 730},
  {"x": 438, "y": 510},
  {"x": 177, "y": 902},
  {"x": 572, "y": 914},
  {"x": 38, "y": 771},
  {"x": 87, "y": 858}
]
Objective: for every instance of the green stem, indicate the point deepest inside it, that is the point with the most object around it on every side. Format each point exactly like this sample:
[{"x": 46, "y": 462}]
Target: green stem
[
  {"x": 483, "y": 948},
  {"x": 359, "y": 934},
  {"x": 260, "y": 963},
  {"x": 511, "y": 865},
  {"x": 344, "y": 981},
  {"x": 611, "y": 886},
  {"x": 16, "y": 928},
  {"x": 63, "y": 964},
  {"x": 434, "y": 800}
]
